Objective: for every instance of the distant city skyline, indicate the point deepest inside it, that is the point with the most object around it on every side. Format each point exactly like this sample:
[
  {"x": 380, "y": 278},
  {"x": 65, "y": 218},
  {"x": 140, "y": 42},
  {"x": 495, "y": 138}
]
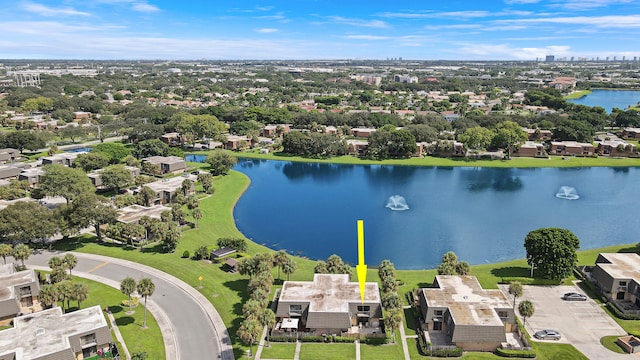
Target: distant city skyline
[{"x": 320, "y": 29}]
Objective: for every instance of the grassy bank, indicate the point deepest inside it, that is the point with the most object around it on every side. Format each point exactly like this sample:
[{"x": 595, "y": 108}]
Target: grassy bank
[
  {"x": 551, "y": 162},
  {"x": 578, "y": 94},
  {"x": 227, "y": 291}
]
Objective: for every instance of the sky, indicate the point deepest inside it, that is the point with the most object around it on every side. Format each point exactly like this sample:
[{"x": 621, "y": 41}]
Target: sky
[{"x": 319, "y": 29}]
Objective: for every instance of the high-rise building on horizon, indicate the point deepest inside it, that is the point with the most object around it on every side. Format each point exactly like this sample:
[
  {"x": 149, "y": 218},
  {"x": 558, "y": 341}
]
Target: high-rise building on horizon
[{"x": 550, "y": 58}]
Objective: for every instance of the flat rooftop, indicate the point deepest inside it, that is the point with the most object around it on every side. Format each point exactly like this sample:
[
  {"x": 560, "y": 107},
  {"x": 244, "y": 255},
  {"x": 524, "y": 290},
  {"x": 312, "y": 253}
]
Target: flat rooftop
[
  {"x": 329, "y": 292},
  {"x": 468, "y": 302},
  {"x": 170, "y": 184},
  {"x": 9, "y": 279},
  {"x": 134, "y": 213},
  {"x": 163, "y": 159},
  {"x": 48, "y": 331},
  {"x": 622, "y": 265}
]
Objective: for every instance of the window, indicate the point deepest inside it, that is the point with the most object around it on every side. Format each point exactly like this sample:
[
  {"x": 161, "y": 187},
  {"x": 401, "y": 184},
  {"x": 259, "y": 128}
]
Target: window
[
  {"x": 437, "y": 312},
  {"x": 88, "y": 340},
  {"x": 25, "y": 291},
  {"x": 295, "y": 309},
  {"x": 503, "y": 314},
  {"x": 623, "y": 283},
  {"x": 364, "y": 308}
]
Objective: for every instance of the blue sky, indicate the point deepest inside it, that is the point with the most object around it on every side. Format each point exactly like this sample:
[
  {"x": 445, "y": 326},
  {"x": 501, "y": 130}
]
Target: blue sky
[{"x": 319, "y": 29}]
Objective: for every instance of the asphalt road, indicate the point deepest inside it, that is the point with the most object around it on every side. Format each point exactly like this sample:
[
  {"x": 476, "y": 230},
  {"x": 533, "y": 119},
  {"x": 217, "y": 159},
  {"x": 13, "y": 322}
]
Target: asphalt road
[{"x": 195, "y": 335}]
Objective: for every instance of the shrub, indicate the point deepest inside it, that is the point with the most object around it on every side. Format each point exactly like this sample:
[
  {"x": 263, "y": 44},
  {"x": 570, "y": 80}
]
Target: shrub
[
  {"x": 201, "y": 253},
  {"x": 619, "y": 314},
  {"x": 134, "y": 302},
  {"x": 312, "y": 339},
  {"x": 185, "y": 254},
  {"x": 283, "y": 338},
  {"x": 528, "y": 354},
  {"x": 341, "y": 339},
  {"x": 238, "y": 244},
  {"x": 454, "y": 352},
  {"x": 376, "y": 341}
]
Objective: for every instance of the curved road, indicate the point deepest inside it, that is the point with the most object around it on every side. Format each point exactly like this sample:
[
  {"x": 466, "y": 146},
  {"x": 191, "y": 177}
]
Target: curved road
[{"x": 198, "y": 331}]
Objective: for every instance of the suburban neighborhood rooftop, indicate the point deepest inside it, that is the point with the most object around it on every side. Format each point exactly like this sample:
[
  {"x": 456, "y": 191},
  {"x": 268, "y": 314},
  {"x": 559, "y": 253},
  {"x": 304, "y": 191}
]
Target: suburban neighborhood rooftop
[
  {"x": 622, "y": 265},
  {"x": 134, "y": 213},
  {"x": 9, "y": 278}
]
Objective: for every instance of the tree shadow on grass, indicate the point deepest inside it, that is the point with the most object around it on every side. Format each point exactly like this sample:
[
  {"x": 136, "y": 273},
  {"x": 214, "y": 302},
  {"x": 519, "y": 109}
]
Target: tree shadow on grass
[
  {"x": 511, "y": 272},
  {"x": 240, "y": 287},
  {"x": 116, "y": 309},
  {"x": 125, "y": 320},
  {"x": 631, "y": 249},
  {"x": 408, "y": 316}
]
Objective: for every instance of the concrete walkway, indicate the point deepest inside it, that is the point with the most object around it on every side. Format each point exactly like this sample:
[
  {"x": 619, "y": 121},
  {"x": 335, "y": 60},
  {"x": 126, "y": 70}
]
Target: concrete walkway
[
  {"x": 357, "y": 349},
  {"x": 170, "y": 297},
  {"x": 298, "y": 347},
  {"x": 403, "y": 339}
]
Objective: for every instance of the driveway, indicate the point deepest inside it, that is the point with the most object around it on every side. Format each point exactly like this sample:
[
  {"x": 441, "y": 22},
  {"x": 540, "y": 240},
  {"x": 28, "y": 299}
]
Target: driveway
[{"x": 581, "y": 323}]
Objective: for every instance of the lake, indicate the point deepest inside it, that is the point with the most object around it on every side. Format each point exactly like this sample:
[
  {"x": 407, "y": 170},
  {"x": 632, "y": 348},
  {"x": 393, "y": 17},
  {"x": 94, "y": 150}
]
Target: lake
[
  {"x": 482, "y": 214},
  {"x": 609, "y": 99}
]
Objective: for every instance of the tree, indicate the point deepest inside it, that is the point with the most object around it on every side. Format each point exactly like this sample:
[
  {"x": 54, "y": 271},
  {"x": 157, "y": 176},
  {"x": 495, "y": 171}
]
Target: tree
[
  {"x": 65, "y": 292},
  {"x": 200, "y": 126},
  {"x": 91, "y": 161},
  {"x": 552, "y": 252},
  {"x": 146, "y": 195},
  {"x": 26, "y": 221},
  {"x": 145, "y": 288},
  {"x": 91, "y": 210},
  {"x": 177, "y": 214},
  {"x": 289, "y": 267},
  {"x": 477, "y": 137},
  {"x": 206, "y": 180},
  {"x": 5, "y": 250},
  {"x": 448, "y": 265},
  {"x": 279, "y": 259},
  {"x": 248, "y": 332},
  {"x": 526, "y": 310},
  {"x": 48, "y": 295},
  {"x": 21, "y": 252},
  {"x": 59, "y": 180},
  {"x": 196, "y": 214},
  {"x": 221, "y": 162},
  {"x": 515, "y": 289},
  {"x": 267, "y": 318},
  {"x": 171, "y": 237},
  {"x": 152, "y": 147},
  {"x": 392, "y": 319},
  {"x": 113, "y": 151},
  {"x": 72, "y": 132},
  {"x": 509, "y": 134},
  {"x": 128, "y": 287},
  {"x": 186, "y": 186},
  {"x": 139, "y": 355},
  {"x": 69, "y": 261},
  {"x": 80, "y": 292},
  {"x": 116, "y": 177},
  {"x": 390, "y": 300}
]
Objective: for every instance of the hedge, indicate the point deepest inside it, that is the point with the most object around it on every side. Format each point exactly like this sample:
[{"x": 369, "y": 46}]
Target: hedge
[
  {"x": 530, "y": 354},
  {"x": 312, "y": 339},
  {"x": 283, "y": 338},
  {"x": 376, "y": 341},
  {"x": 619, "y": 314},
  {"x": 457, "y": 352}
]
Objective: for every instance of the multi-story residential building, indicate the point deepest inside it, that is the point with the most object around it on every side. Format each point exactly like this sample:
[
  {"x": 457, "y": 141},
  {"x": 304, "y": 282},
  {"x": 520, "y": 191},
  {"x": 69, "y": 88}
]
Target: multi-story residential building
[
  {"x": 168, "y": 164},
  {"x": 18, "y": 292}
]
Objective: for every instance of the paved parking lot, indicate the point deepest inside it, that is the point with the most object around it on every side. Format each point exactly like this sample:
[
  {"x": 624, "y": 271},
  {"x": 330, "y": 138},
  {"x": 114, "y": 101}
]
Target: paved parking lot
[{"x": 581, "y": 323}]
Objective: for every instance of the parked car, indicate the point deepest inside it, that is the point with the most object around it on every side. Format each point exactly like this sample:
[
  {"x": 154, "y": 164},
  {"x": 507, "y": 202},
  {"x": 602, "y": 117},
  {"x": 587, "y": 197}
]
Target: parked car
[
  {"x": 547, "y": 334},
  {"x": 573, "y": 296}
]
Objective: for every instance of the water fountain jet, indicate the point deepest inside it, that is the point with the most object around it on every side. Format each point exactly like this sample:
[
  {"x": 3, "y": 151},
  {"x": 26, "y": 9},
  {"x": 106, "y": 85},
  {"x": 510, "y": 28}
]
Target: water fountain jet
[
  {"x": 397, "y": 203},
  {"x": 567, "y": 193}
]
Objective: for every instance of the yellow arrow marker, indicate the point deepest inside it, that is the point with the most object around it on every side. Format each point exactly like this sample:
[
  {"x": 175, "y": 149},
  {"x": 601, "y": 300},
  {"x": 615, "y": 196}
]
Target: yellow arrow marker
[{"x": 361, "y": 268}]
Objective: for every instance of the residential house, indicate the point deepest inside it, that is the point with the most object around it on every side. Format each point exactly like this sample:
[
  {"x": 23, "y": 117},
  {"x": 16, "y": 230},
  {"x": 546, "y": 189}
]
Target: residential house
[
  {"x": 8, "y": 155},
  {"x": 11, "y": 171},
  {"x": 472, "y": 318},
  {"x": 167, "y": 189},
  {"x": 563, "y": 83},
  {"x": 330, "y": 304},
  {"x": 447, "y": 148},
  {"x": 168, "y": 164},
  {"x": 449, "y": 115},
  {"x": 172, "y": 139},
  {"x": 221, "y": 252},
  {"x": 275, "y": 130},
  {"x": 538, "y": 134},
  {"x": 615, "y": 148},
  {"x": 362, "y": 132},
  {"x": 133, "y": 213},
  {"x": 65, "y": 159},
  {"x": 52, "y": 335},
  {"x": 357, "y": 147},
  {"x": 528, "y": 149},
  {"x": 237, "y": 142},
  {"x": 18, "y": 292},
  {"x": 618, "y": 277},
  {"x": 81, "y": 115},
  {"x": 571, "y": 148},
  {"x": 631, "y": 133},
  {"x": 96, "y": 180},
  {"x": 31, "y": 175}
]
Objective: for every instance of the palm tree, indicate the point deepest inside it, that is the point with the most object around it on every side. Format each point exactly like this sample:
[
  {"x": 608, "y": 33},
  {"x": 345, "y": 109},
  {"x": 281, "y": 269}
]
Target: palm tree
[
  {"x": 196, "y": 214},
  {"x": 21, "y": 252},
  {"x": 5, "y": 250},
  {"x": 186, "y": 187},
  {"x": 279, "y": 259},
  {"x": 289, "y": 267},
  {"x": 128, "y": 287},
  {"x": 69, "y": 261},
  {"x": 267, "y": 318},
  {"x": 65, "y": 292},
  {"x": 48, "y": 295},
  {"x": 145, "y": 288},
  {"x": 515, "y": 289},
  {"x": 392, "y": 320},
  {"x": 249, "y": 332},
  {"x": 55, "y": 263},
  {"x": 80, "y": 292},
  {"x": 526, "y": 310}
]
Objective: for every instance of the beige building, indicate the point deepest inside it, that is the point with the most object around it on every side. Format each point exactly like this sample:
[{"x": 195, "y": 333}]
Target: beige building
[
  {"x": 330, "y": 304},
  {"x": 473, "y": 318},
  {"x": 52, "y": 335},
  {"x": 618, "y": 277},
  {"x": 168, "y": 164},
  {"x": 18, "y": 292},
  {"x": 65, "y": 159},
  {"x": 167, "y": 189}
]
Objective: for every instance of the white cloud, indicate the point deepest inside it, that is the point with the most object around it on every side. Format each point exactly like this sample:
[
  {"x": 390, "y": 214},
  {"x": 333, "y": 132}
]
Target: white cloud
[
  {"x": 521, "y": 1},
  {"x": 423, "y": 15},
  {"x": 586, "y": 4},
  {"x": 44, "y": 10},
  {"x": 367, "y": 37},
  {"x": 359, "y": 22},
  {"x": 267, "y": 30},
  {"x": 606, "y": 21},
  {"x": 504, "y": 51},
  {"x": 144, "y": 7}
]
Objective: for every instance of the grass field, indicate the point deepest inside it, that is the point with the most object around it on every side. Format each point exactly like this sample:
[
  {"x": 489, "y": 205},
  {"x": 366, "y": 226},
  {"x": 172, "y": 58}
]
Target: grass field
[
  {"x": 227, "y": 291},
  {"x": 279, "y": 351},
  {"x": 312, "y": 351},
  {"x": 578, "y": 94},
  {"x": 553, "y": 161}
]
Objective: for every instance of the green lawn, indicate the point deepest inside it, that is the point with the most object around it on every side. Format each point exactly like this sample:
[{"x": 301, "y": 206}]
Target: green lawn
[
  {"x": 312, "y": 351},
  {"x": 578, "y": 94},
  {"x": 383, "y": 352},
  {"x": 137, "y": 338},
  {"x": 557, "y": 352},
  {"x": 279, "y": 351},
  {"x": 553, "y": 161},
  {"x": 227, "y": 291},
  {"x": 610, "y": 343}
]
